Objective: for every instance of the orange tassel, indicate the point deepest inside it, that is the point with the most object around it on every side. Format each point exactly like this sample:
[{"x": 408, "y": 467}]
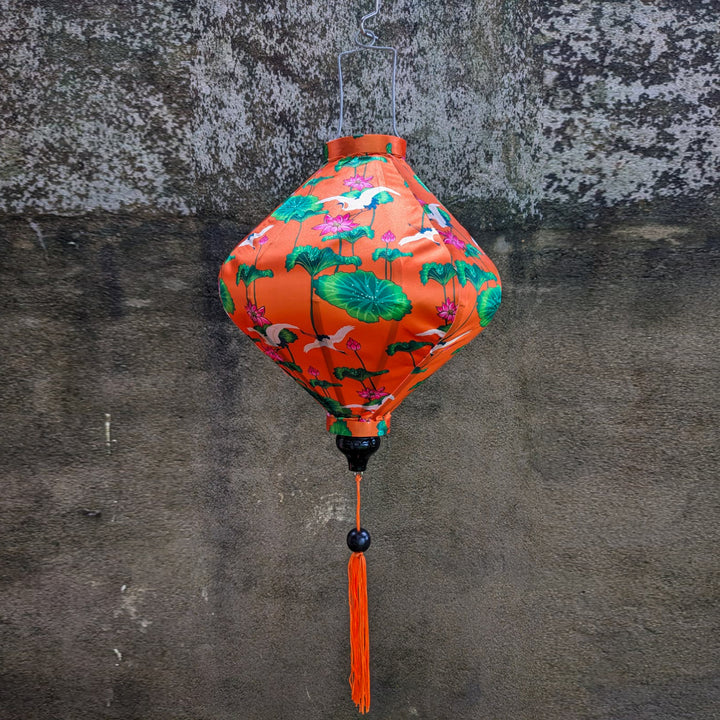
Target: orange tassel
[
  {"x": 359, "y": 626},
  {"x": 359, "y": 632}
]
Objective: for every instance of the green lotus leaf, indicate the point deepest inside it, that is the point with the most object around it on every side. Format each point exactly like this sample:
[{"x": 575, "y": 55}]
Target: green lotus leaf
[
  {"x": 487, "y": 304},
  {"x": 315, "y": 181},
  {"x": 248, "y": 274},
  {"x": 359, "y": 374},
  {"x": 473, "y": 274},
  {"x": 382, "y": 428},
  {"x": 324, "y": 384},
  {"x": 315, "y": 259},
  {"x": 299, "y": 208},
  {"x": 340, "y": 427},
  {"x": 227, "y": 302},
  {"x": 442, "y": 273},
  {"x": 389, "y": 254},
  {"x": 331, "y": 405},
  {"x": 353, "y": 235},
  {"x": 286, "y": 337},
  {"x": 290, "y": 366},
  {"x": 364, "y": 296},
  {"x": 381, "y": 198},
  {"x": 408, "y": 347},
  {"x": 358, "y": 160},
  {"x": 472, "y": 251}
]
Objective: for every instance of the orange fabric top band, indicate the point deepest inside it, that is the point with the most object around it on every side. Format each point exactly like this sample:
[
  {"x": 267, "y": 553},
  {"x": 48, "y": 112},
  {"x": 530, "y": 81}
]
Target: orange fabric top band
[{"x": 365, "y": 145}]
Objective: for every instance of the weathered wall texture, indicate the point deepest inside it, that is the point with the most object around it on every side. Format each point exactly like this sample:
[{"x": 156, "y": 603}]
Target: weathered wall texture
[
  {"x": 222, "y": 107},
  {"x": 545, "y": 512}
]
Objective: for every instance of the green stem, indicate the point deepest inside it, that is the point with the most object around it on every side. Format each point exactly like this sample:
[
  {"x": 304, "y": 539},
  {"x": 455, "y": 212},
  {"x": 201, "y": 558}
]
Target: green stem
[
  {"x": 365, "y": 369},
  {"x": 337, "y": 267},
  {"x": 312, "y": 315},
  {"x": 297, "y": 236}
]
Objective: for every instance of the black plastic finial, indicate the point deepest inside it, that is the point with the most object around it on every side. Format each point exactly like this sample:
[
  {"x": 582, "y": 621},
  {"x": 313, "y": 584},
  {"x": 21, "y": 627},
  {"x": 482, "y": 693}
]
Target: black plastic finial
[{"x": 357, "y": 450}]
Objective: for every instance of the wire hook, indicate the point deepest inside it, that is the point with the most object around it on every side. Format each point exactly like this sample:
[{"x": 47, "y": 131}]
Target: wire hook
[
  {"x": 372, "y": 38},
  {"x": 365, "y": 32}
]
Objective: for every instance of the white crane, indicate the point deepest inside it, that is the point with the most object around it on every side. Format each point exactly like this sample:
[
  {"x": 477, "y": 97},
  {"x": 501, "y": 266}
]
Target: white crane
[
  {"x": 328, "y": 341},
  {"x": 433, "y": 212},
  {"x": 272, "y": 333},
  {"x": 427, "y": 234},
  {"x": 254, "y": 236},
  {"x": 363, "y": 201},
  {"x": 447, "y": 343}
]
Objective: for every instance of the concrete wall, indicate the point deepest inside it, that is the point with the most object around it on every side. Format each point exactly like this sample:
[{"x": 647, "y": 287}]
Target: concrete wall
[{"x": 545, "y": 512}]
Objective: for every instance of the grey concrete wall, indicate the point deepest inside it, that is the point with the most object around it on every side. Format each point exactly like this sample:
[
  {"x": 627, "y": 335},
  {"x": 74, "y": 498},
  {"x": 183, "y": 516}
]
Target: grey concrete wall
[
  {"x": 530, "y": 108},
  {"x": 545, "y": 512}
]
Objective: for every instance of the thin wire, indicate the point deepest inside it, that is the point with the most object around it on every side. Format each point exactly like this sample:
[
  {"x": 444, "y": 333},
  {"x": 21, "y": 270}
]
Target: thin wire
[{"x": 372, "y": 38}]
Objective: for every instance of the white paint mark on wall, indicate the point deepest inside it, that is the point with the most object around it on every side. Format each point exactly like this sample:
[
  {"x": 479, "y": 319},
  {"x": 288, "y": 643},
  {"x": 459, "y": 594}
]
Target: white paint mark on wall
[
  {"x": 131, "y": 598},
  {"x": 110, "y": 443},
  {"x": 329, "y": 508},
  {"x": 38, "y": 232}
]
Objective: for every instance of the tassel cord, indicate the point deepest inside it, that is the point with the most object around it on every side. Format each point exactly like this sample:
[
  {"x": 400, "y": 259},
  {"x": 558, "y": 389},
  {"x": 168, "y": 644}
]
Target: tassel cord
[{"x": 359, "y": 627}]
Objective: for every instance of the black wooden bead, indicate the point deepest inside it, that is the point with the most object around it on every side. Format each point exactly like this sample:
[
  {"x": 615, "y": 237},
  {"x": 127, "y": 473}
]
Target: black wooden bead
[{"x": 358, "y": 540}]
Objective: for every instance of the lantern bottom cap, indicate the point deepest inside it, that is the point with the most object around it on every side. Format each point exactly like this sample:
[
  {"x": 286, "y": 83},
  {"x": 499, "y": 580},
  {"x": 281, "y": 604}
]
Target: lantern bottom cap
[
  {"x": 356, "y": 427},
  {"x": 357, "y": 450}
]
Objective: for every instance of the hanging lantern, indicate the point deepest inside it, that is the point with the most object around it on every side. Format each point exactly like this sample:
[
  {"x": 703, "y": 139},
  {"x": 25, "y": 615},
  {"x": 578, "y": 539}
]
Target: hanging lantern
[{"x": 360, "y": 286}]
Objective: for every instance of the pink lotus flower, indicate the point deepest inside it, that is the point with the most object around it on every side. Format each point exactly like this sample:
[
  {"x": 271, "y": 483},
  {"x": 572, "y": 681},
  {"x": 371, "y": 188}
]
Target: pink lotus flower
[
  {"x": 272, "y": 353},
  {"x": 314, "y": 371},
  {"x": 257, "y": 314},
  {"x": 372, "y": 394},
  {"x": 359, "y": 182},
  {"x": 353, "y": 345},
  {"x": 263, "y": 239},
  {"x": 447, "y": 310},
  {"x": 388, "y": 237},
  {"x": 449, "y": 238},
  {"x": 338, "y": 224}
]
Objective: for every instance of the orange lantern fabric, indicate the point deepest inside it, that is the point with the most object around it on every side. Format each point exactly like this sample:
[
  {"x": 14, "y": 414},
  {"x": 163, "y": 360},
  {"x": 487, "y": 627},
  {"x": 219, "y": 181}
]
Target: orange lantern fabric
[{"x": 361, "y": 284}]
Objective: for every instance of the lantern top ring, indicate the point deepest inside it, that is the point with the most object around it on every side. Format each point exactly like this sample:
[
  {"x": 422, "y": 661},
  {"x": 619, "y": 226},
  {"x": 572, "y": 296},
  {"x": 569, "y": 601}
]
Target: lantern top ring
[{"x": 369, "y": 144}]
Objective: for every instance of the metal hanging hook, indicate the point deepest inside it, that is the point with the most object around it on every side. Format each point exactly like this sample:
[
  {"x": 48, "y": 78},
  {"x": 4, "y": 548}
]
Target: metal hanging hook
[
  {"x": 364, "y": 32},
  {"x": 365, "y": 40}
]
